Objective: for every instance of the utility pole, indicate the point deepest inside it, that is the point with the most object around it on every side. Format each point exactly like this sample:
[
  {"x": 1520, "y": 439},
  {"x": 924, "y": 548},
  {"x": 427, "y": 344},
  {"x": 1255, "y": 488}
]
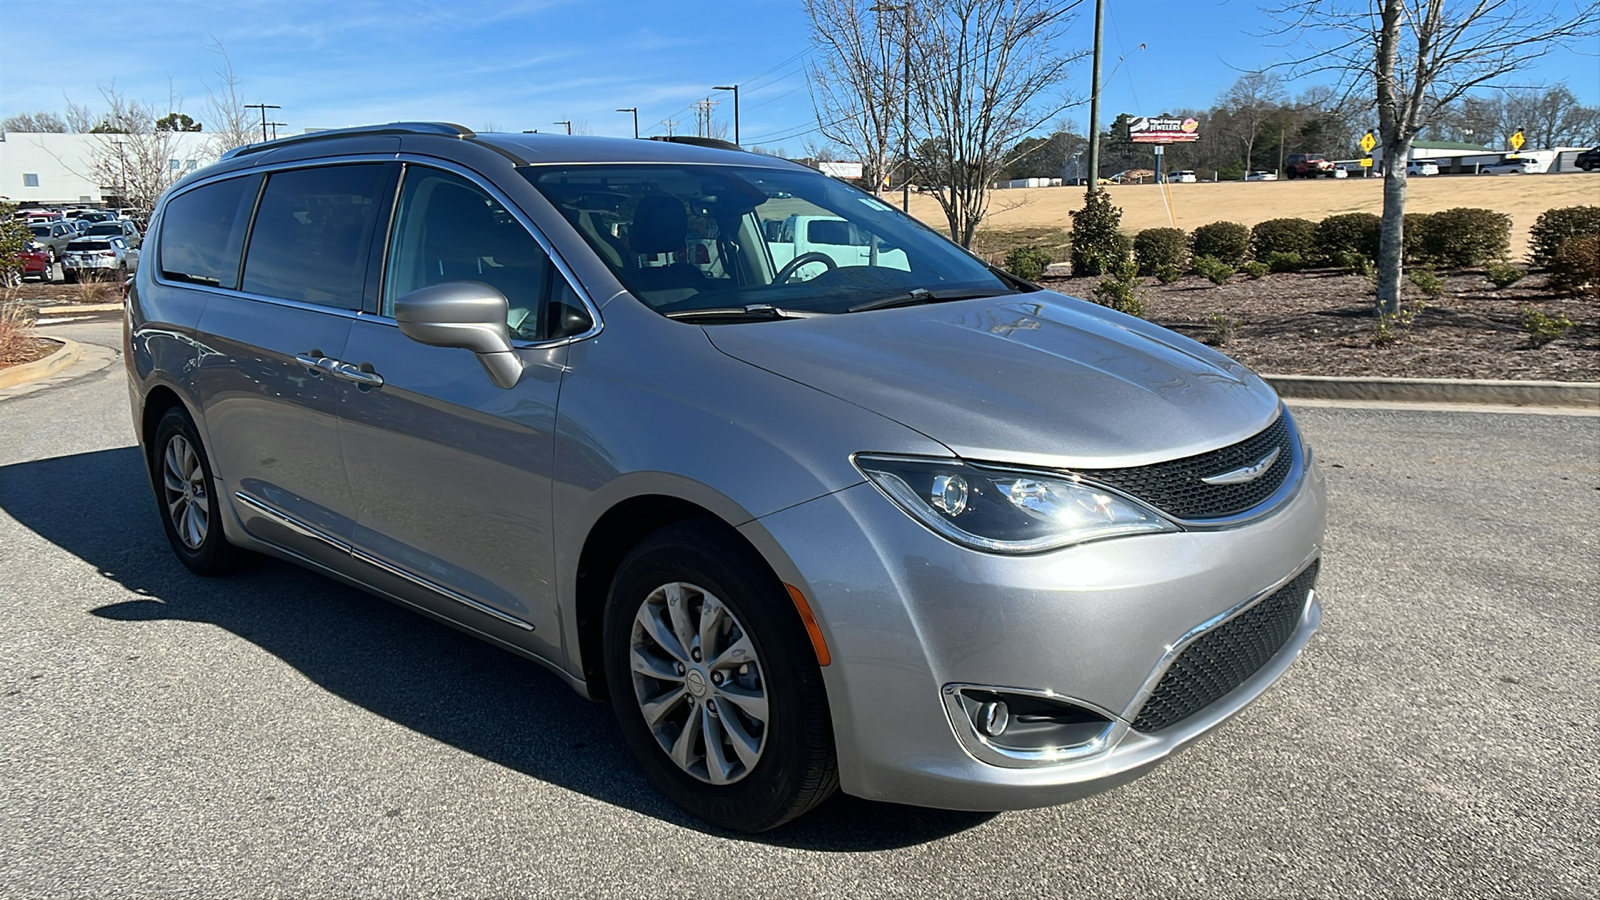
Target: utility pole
[
  {"x": 1094, "y": 100},
  {"x": 735, "y": 89},
  {"x": 275, "y": 128},
  {"x": 905, "y": 111},
  {"x": 671, "y": 124},
  {"x": 263, "y": 107},
  {"x": 122, "y": 172},
  {"x": 635, "y": 111},
  {"x": 566, "y": 123}
]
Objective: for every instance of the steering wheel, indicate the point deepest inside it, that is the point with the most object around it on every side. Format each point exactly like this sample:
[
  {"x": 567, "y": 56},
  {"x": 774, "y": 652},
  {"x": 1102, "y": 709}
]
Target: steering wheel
[{"x": 787, "y": 272}]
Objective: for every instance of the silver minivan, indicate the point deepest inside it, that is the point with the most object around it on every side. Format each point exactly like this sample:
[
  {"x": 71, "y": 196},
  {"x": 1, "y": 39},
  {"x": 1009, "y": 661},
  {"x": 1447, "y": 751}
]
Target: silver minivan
[{"x": 865, "y": 514}]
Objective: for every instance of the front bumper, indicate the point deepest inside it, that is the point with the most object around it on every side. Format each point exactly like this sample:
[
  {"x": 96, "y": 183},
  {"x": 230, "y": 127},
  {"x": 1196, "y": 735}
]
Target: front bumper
[{"x": 908, "y": 615}]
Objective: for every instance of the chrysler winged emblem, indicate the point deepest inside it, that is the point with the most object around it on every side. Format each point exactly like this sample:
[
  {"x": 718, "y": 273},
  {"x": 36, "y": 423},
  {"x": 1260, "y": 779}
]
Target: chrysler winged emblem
[{"x": 1248, "y": 473}]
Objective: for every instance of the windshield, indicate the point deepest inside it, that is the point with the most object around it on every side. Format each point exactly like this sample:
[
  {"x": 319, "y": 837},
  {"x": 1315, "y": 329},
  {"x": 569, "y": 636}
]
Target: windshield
[{"x": 697, "y": 237}]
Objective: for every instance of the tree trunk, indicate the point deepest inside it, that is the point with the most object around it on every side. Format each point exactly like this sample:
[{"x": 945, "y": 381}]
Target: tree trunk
[{"x": 1391, "y": 243}]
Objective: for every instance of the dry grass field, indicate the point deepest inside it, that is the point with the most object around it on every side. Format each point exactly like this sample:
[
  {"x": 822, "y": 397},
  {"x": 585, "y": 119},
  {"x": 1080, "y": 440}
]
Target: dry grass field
[{"x": 1524, "y": 197}]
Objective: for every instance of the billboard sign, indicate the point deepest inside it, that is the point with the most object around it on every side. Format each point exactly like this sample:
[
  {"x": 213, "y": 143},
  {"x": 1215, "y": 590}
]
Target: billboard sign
[{"x": 1163, "y": 130}]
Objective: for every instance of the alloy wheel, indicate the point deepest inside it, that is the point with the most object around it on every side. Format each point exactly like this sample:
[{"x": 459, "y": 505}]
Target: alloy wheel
[
  {"x": 183, "y": 482},
  {"x": 698, "y": 683}
]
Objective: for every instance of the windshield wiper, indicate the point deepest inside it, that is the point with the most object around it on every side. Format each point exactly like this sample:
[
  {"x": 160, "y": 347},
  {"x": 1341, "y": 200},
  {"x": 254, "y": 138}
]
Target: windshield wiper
[
  {"x": 922, "y": 295},
  {"x": 752, "y": 313}
]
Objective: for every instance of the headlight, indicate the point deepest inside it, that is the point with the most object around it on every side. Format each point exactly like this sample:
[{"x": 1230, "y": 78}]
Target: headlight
[{"x": 1005, "y": 510}]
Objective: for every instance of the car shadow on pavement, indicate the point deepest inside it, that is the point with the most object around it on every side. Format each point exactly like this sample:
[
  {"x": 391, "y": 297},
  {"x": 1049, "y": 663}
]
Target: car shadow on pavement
[{"x": 393, "y": 662}]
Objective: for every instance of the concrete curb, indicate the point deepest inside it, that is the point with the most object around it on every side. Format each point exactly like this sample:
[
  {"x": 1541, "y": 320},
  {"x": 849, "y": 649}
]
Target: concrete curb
[
  {"x": 1582, "y": 395},
  {"x": 42, "y": 368},
  {"x": 79, "y": 308}
]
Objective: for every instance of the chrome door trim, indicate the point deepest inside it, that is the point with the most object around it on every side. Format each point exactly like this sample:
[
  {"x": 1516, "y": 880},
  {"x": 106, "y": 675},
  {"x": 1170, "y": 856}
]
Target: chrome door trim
[
  {"x": 441, "y": 590},
  {"x": 290, "y": 522},
  {"x": 315, "y": 533}
]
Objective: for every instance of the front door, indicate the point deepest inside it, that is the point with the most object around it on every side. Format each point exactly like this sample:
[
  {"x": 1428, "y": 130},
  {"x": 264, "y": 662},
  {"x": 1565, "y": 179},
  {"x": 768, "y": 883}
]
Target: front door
[{"x": 450, "y": 475}]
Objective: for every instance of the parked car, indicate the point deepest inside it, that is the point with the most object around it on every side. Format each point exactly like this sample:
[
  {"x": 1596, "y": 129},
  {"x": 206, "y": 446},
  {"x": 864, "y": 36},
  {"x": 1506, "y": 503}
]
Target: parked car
[
  {"x": 120, "y": 228},
  {"x": 1588, "y": 160},
  {"x": 92, "y": 257},
  {"x": 1422, "y": 167},
  {"x": 1259, "y": 175},
  {"x": 1513, "y": 165},
  {"x": 1185, "y": 176},
  {"x": 54, "y": 236},
  {"x": 911, "y": 527},
  {"x": 1307, "y": 165},
  {"x": 37, "y": 262}
]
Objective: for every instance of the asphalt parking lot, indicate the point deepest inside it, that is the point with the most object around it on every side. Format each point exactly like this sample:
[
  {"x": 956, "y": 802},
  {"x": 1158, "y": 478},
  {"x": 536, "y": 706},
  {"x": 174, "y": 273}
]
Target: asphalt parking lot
[{"x": 277, "y": 734}]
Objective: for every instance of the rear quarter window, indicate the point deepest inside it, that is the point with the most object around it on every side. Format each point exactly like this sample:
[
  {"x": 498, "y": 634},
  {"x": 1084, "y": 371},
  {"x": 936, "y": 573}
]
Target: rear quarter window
[{"x": 202, "y": 231}]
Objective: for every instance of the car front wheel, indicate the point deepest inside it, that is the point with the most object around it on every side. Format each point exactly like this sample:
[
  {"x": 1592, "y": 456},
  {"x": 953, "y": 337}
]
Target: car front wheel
[{"x": 714, "y": 681}]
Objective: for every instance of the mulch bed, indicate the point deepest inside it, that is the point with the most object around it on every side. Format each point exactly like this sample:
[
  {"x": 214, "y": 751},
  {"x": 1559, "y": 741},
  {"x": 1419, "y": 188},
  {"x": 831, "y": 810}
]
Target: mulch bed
[{"x": 1322, "y": 323}]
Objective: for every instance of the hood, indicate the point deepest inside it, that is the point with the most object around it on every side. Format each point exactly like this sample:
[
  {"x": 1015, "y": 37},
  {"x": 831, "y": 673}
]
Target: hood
[{"x": 1035, "y": 379}]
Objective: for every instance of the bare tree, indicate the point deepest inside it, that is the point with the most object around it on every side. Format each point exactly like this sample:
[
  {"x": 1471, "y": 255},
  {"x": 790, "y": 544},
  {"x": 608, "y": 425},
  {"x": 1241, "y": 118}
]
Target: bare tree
[
  {"x": 1422, "y": 56},
  {"x": 1250, "y": 103},
  {"x": 857, "y": 86},
  {"x": 132, "y": 159},
  {"x": 231, "y": 124},
  {"x": 41, "y": 122},
  {"x": 80, "y": 119},
  {"x": 990, "y": 72},
  {"x": 1550, "y": 117}
]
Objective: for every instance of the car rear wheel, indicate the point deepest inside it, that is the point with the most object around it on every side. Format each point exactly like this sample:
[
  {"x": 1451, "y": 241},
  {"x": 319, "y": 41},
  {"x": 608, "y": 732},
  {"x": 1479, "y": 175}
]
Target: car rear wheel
[
  {"x": 191, "y": 512},
  {"x": 714, "y": 682}
]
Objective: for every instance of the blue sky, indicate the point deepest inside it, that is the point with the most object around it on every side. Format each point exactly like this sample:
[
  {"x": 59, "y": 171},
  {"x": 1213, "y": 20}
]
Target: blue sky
[{"x": 525, "y": 64}]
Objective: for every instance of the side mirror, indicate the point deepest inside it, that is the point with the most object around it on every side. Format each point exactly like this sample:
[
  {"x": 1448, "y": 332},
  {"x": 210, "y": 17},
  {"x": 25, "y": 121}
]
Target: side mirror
[{"x": 468, "y": 315}]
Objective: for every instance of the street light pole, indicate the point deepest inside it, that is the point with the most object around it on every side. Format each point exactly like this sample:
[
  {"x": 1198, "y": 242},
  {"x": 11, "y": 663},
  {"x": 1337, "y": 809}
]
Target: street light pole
[
  {"x": 735, "y": 89},
  {"x": 905, "y": 121},
  {"x": 567, "y": 123},
  {"x": 635, "y": 111}
]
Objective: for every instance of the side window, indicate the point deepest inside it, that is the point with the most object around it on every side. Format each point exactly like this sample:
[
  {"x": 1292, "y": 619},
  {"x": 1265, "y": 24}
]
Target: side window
[
  {"x": 202, "y": 231},
  {"x": 449, "y": 229},
  {"x": 312, "y": 233}
]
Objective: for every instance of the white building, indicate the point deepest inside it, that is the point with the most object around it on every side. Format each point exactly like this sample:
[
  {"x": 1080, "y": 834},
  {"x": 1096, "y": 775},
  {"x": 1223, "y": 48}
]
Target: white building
[{"x": 49, "y": 169}]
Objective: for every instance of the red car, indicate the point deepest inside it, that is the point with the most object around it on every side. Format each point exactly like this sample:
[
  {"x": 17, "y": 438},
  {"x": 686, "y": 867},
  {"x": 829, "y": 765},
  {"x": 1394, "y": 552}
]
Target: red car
[{"x": 36, "y": 263}]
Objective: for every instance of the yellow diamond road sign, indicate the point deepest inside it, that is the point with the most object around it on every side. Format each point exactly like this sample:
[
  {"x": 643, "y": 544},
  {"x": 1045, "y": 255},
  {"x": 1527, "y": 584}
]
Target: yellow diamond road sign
[
  {"x": 1368, "y": 142},
  {"x": 1517, "y": 140}
]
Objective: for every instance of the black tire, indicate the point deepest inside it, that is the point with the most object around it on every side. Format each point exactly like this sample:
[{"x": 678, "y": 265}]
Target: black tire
[
  {"x": 211, "y": 554},
  {"x": 796, "y": 768}
]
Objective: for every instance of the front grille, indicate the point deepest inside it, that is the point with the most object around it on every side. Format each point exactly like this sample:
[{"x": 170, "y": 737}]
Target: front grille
[
  {"x": 1226, "y": 656},
  {"x": 1175, "y": 488}
]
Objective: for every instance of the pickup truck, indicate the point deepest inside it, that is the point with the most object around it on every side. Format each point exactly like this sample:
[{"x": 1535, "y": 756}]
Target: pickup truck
[
  {"x": 841, "y": 242},
  {"x": 1308, "y": 165}
]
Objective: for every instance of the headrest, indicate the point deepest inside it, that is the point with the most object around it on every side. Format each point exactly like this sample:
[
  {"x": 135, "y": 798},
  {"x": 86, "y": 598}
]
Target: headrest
[{"x": 660, "y": 225}]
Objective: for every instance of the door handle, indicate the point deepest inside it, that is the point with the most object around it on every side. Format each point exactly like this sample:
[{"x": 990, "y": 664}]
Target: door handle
[
  {"x": 314, "y": 360},
  {"x": 363, "y": 374}
]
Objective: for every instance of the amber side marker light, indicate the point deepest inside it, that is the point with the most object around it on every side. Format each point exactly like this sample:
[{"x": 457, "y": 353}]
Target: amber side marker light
[{"x": 812, "y": 628}]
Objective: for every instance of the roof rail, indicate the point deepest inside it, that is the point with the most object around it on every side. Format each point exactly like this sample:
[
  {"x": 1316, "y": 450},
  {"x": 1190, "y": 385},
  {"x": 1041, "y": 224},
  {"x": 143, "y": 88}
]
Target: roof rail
[
  {"x": 443, "y": 129},
  {"x": 714, "y": 143}
]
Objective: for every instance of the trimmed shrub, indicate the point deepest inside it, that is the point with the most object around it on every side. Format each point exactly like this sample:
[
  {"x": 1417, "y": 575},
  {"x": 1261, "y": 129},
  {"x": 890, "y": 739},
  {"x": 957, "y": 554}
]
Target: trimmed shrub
[
  {"x": 1576, "y": 267},
  {"x": 1098, "y": 247},
  {"x": 1225, "y": 242},
  {"x": 1213, "y": 269},
  {"x": 1339, "y": 236},
  {"x": 1554, "y": 226},
  {"x": 1027, "y": 263},
  {"x": 1168, "y": 274},
  {"x": 1411, "y": 250},
  {"x": 1158, "y": 247},
  {"x": 1256, "y": 268},
  {"x": 1282, "y": 236},
  {"x": 1282, "y": 261},
  {"x": 1466, "y": 236},
  {"x": 1503, "y": 274}
]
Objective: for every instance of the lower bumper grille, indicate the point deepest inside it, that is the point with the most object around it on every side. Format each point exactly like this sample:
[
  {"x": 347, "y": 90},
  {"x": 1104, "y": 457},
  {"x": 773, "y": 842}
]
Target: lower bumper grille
[{"x": 1226, "y": 656}]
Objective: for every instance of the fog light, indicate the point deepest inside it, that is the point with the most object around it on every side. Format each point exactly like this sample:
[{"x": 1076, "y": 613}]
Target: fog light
[{"x": 993, "y": 717}]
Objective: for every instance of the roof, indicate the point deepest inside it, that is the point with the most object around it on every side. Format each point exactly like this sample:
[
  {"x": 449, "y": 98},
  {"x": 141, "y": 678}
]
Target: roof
[{"x": 1448, "y": 145}]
